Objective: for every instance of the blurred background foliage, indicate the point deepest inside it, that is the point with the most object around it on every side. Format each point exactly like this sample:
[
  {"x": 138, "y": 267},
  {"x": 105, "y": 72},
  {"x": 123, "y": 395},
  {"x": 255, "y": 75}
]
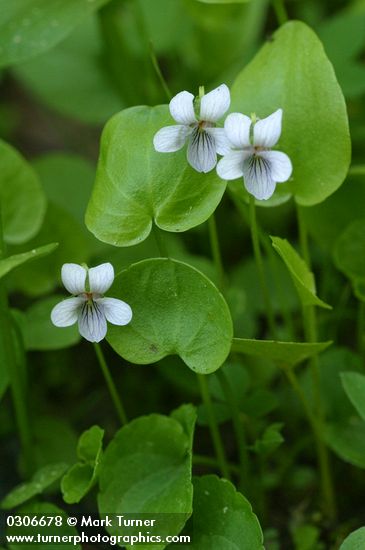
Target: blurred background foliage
[{"x": 55, "y": 99}]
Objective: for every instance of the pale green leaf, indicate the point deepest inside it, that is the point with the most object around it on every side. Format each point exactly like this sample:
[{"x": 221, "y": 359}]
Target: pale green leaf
[
  {"x": 135, "y": 185},
  {"x": 292, "y": 72},
  {"x": 176, "y": 310},
  {"x": 22, "y": 200},
  {"x": 302, "y": 277},
  {"x": 29, "y": 27},
  {"x": 287, "y": 353},
  {"x": 7, "y": 264}
]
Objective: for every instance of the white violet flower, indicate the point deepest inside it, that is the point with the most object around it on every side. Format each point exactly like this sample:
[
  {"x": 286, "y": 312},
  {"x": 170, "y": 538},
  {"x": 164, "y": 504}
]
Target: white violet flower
[
  {"x": 251, "y": 155},
  {"x": 204, "y": 139},
  {"x": 88, "y": 306}
]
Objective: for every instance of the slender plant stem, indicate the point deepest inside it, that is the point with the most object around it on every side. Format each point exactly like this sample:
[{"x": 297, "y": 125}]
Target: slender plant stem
[
  {"x": 161, "y": 245},
  {"x": 160, "y": 76},
  {"x": 13, "y": 368},
  {"x": 260, "y": 267},
  {"x": 216, "y": 252},
  {"x": 111, "y": 386},
  {"x": 238, "y": 429},
  {"x": 280, "y": 11},
  {"x": 214, "y": 430},
  {"x": 310, "y": 329},
  {"x": 202, "y": 460},
  {"x": 266, "y": 244}
]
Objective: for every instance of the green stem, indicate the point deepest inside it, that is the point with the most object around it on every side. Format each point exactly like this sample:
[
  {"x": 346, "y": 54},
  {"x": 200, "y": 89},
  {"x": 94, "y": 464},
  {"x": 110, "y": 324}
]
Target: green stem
[
  {"x": 111, "y": 386},
  {"x": 202, "y": 460},
  {"x": 214, "y": 430},
  {"x": 159, "y": 74},
  {"x": 161, "y": 245},
  {"x": 238, "y": 429},
  {"x": 16, "y": 376},
  {"x": 266, "y": 244},
  {"x": 280, "y": 11},
  {"x": 310, "y": 329},
  {"x": 260, "y": 267},
  {"x": 216, "y": 252}
]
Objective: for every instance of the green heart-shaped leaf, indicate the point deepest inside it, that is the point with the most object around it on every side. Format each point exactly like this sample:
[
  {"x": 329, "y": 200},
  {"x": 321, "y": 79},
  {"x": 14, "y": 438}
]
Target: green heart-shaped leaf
[
  {"x": 176, "y": 310},
  {"x": 146, "y": 469},
  {"x": 292, "y": 72},
  {"x": 135, "y": 185},
  {"x": 22, "y": 200}
]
